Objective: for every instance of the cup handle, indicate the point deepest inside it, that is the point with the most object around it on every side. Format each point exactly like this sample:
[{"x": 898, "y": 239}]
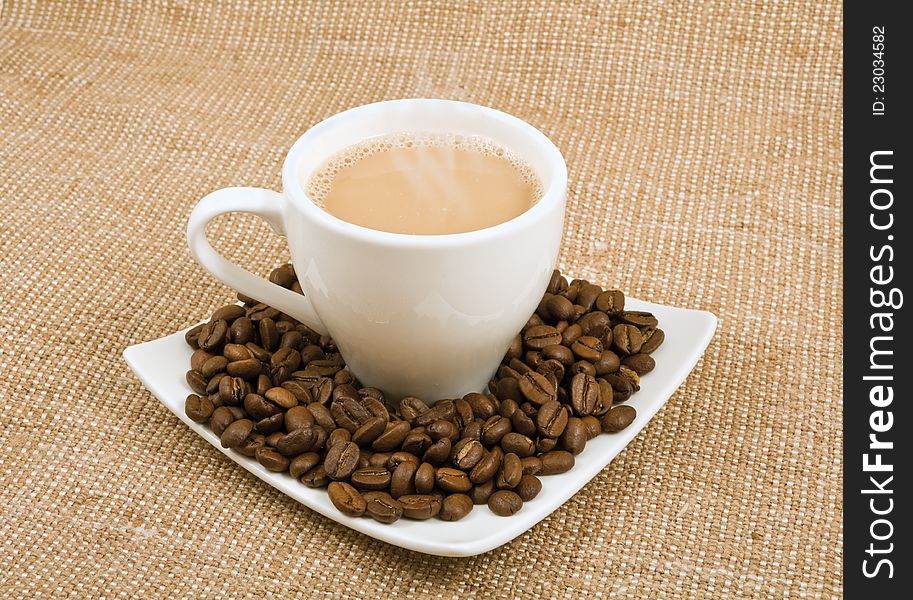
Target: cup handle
[{"x": 266, "y": 204}]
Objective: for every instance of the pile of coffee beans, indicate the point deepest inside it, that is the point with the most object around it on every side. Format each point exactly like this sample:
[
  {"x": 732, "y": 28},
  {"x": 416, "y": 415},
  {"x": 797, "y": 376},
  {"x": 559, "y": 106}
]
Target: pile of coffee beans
[{"x": 273, "y": 389}]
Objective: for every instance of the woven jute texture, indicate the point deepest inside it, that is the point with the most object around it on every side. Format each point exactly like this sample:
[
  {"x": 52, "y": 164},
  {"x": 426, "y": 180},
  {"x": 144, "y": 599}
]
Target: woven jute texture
[{"x": 704, "y": 150}]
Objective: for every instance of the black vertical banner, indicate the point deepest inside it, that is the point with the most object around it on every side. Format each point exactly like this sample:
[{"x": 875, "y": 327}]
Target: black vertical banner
[{"x": 878, "y": 234}]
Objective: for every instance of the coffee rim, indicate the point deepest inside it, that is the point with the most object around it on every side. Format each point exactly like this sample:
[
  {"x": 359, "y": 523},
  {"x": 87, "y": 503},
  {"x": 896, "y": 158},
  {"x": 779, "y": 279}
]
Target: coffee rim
[{"x": 554, "y": 188}]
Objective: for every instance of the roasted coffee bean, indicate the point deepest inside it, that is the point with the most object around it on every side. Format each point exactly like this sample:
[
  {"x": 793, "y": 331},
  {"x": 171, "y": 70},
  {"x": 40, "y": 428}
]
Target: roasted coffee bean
[
  {"x": 382, "y": 507},
  {"x": 285, "y": 358},
  {"x": 420, "y": 506},
  {"x": 652, "y": 340},
  {"x": 510, "y": 472},
  {"x": 303, "y": 463},
  {"x": 246, "y": 369},
  {"x": 443, "y": 409},
  {"x": 522, "y": 424},
  {"x": 293, "y": 340},
  {"x": 337, "y": 436},
  {"x": 416, "y": 442},
  {"x": 551, "y": 419},
  {"x": 594, "y": 324},
  {"x": 452, "y": 480},
  {"x": 480, "y": 493},
  {"x": 349, "y": 413},
  {"x": 402, "y": 482},
  {"x": 198, "y": 408},
  {"x": 301, "y": 392},
  {"x": 192, "y": 337},
  {"x": 622, "y": 387},
  {"x": 469, "y": 455},
  {"x": 270, "y": 424},
  {"x": 508, "y": 408},
  {"x": 398, "y": 458},
  {"x": 560, "y": 353},
  {"x": 515, "y": 350},
  {"x": 587, "y": 295},
  {"x": 264, "y": 384},
  {"x": 532, "y": 465},
  {"x": 546, "y": 444},
  {"x": 540, "y": 336},
  {"x": 236, "y": 433},
  {"x": 494, "y": 429},
  {"x": 556, "y": 461},
  {"x": 272, "y": 460},
  {"x": 528, "y": 487},
  {"x": 537, "y": 388},
  {"x": 411, "y": 407},
  {"x": 284, "y": 275},
  {"x": 627, "y": 339},
  {"x": 571, "y": 335},
  {"x": 321, "y": 415},
  {"x": 505, "y": 371},
  {"x": 371, "y": 478},
  {"x": 377, "y": 459},
  {"x": 249, "y": 446},
  {"x": 474, "y": 429},
  {"x": 443, "y": 429},
  {"x": 559, "y": 308},
  {"x": 533, "y": 358},
  {"x": 608, "y": 362},
  {"x": 618, "y": 418},
  {"x": 438, "y": 452},
  {"x": 593, "y": 427},
  {"x": 343, "y": 377},
  {"x": 233, "y": 391},
  {"x": 587, "y": 348},
  {"x": 518, "y": 444},
  {"x": 346, "y": 499},
  {"x": 228, "y": 313},
  {"x": 487, "y": 467},
  {"x": 463, "y": 413},
  {"x": 269, "y": 335},
  {"x": 639, "y": 363},
  {"x": 505, "y": 503},
  {"x": 552, "y": 369},
  {"x": 281, "y": 397},
  {"x": 611, "y": 302},
  {"x": 311, "y": 352},
  {"x": 638, "y": 318},
  {"x": 221, "y": 418},
  {"x": 455, "y": 507},
  {"x": 341, "y": 460},
  {"x": 584, "y": 394},
  {"x": 213, "y": 335},
  {"x": 483, "y": 407},
  {"x": 215, "y": 399},
  {"x": 315, "y": 478},
  {"x": 533, "y": 321},
  {"x": 392, "y": 436},
  {"x": 196, "y": 381},
  {"x": 424, "y": 478},
  {"x": 241, "y": 332},
  {"x": 258, "y": 352},
  {"x": 555, "y": 282},
  {"x": 304, "y": 439},
  {"x": 273, "y": 438},
  {"x": 574, "y": 437},
  {"x": 508, "y": 388},
  {"x": 198, "y": 359},
  {"x": 370, "y": 431},
  {"x": 213, "y": 386}
]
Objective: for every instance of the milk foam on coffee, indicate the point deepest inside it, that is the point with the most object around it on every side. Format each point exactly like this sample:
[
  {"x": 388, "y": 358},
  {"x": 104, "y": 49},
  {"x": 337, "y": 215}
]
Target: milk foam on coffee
[{"x": 425, "y": 184}]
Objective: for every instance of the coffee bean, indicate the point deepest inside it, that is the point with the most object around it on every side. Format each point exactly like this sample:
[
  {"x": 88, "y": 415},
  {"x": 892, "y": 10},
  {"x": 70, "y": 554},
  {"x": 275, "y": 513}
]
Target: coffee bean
[
  {"x": 639, "y": 363},
  {"x": 443, "y": 409},
  {"x": 528, "y": 487},
  {"x": 505, "y": 371},
  {"x": 196, "y": 381},
  {"x": 546, "y": 444},
  {"x": 293, "y": 340},
  {"x": 246, "y": 369},
  {"x": 198, "y": 408},
  {"x": 315, "y": 478},
  {"x": 249, "y": 446},
  {"x": 518, "y": 444},
  {"x": 463, "y": 413},
  {"x": 574, "y": 437},
  {"x": 611, "y": 302},
  {"x": 587, "y": 295},
  {"x": 556, "y": 461},
  {"x": 284, "y": 275},
  {"x": 236, "y": 433},
  {"x": 608, "y": 362},
  {"x": 420, "y": 506},
  {"x": 213, "y": 335},
  {"x": 285, "y": 358},
  {"x": 273, "y": 438},
  {"x": 584, "y": 394},
  {"x": 540, "y": 336},
  {"x": 537, "y": 388},
  {"x": 469, "y": 455},
  {"x": 424, "y": 478},
  {"x": 438, "y": 452},
  {"x": 350, "y": 413},
  {"x": 627, "y": 339},
  {"x": 452, "y": 480},
  {"x": 303, "y": 463},
  {"x": 532, "y": 465},
  {"x": 370, "y": 431},
  {"x": 560, "y": 353},
  {"x": 508, "y": 408},
  {"x": 392, "y": 436},
  {"x": 595, "y": 324},
  {"x": 494, "y": 429},
  {"x": 402, "y": 482},
  {"x": 346, "y": 499},
  {"x": 508, "y": 388},
  {"x": 416, "y": 442},
  {"x": 241, "y": 332},
  {"x": 551, "y": 419},
  {"x": 410, "y": 408},
  {"x": 233, "y": 391},
  {"x": 505, "y": 503},
  {"x": 264, "y": 384},
  {"x": 523, "y": 424},
  {"x": 228, "y": 313},
  {"x": 270, "y": 424},
  {"x": 269, "y": 335},
  {"x": 455, "y": 507},
  {"x": 321, "y": 415},
  {"x": 341, "y": 460},
  {"x": 377, "y": 459},
  {"x": 510, "y": 472},
  {"x": 198, "y": 359},
  {"x": 559, "y": 308},
  {"x": 593, "y": 427},
  {"x": 382, "y": 507},
  {"x": 480, "y": 493},
  {"x": 398, "y": 458},
  {"x": 533, "y": 358},
  {"x": 622, "y": 387},
  {"x": 587, "y": 348},
  {"x": 638, "y": 318},
  {"x": 371, "y": 478},
  {"x": 337, "y": 436},
  {"x": 304, "y": 439},
  {"x": 487, "y": 467},
  {"x": 618, "y": 418},
  {"x": 221, "y": 418},
  {"x": 652, "y": 340},
  {"x": 272, "y": 460},
  {"x": 483, "y": 407},
  {"x": 192, "y": 336},
  {"x": 212, "y": 387},
  {"x": 571, "y": 335}
]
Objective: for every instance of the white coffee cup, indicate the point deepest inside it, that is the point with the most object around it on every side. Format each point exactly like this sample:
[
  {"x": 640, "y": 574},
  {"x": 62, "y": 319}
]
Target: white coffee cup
[{"x": 419, "y": 315}]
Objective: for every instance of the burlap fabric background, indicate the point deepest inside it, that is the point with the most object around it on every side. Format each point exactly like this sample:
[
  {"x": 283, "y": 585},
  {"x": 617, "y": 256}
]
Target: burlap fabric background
[{"x": 703, "y": 143}]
